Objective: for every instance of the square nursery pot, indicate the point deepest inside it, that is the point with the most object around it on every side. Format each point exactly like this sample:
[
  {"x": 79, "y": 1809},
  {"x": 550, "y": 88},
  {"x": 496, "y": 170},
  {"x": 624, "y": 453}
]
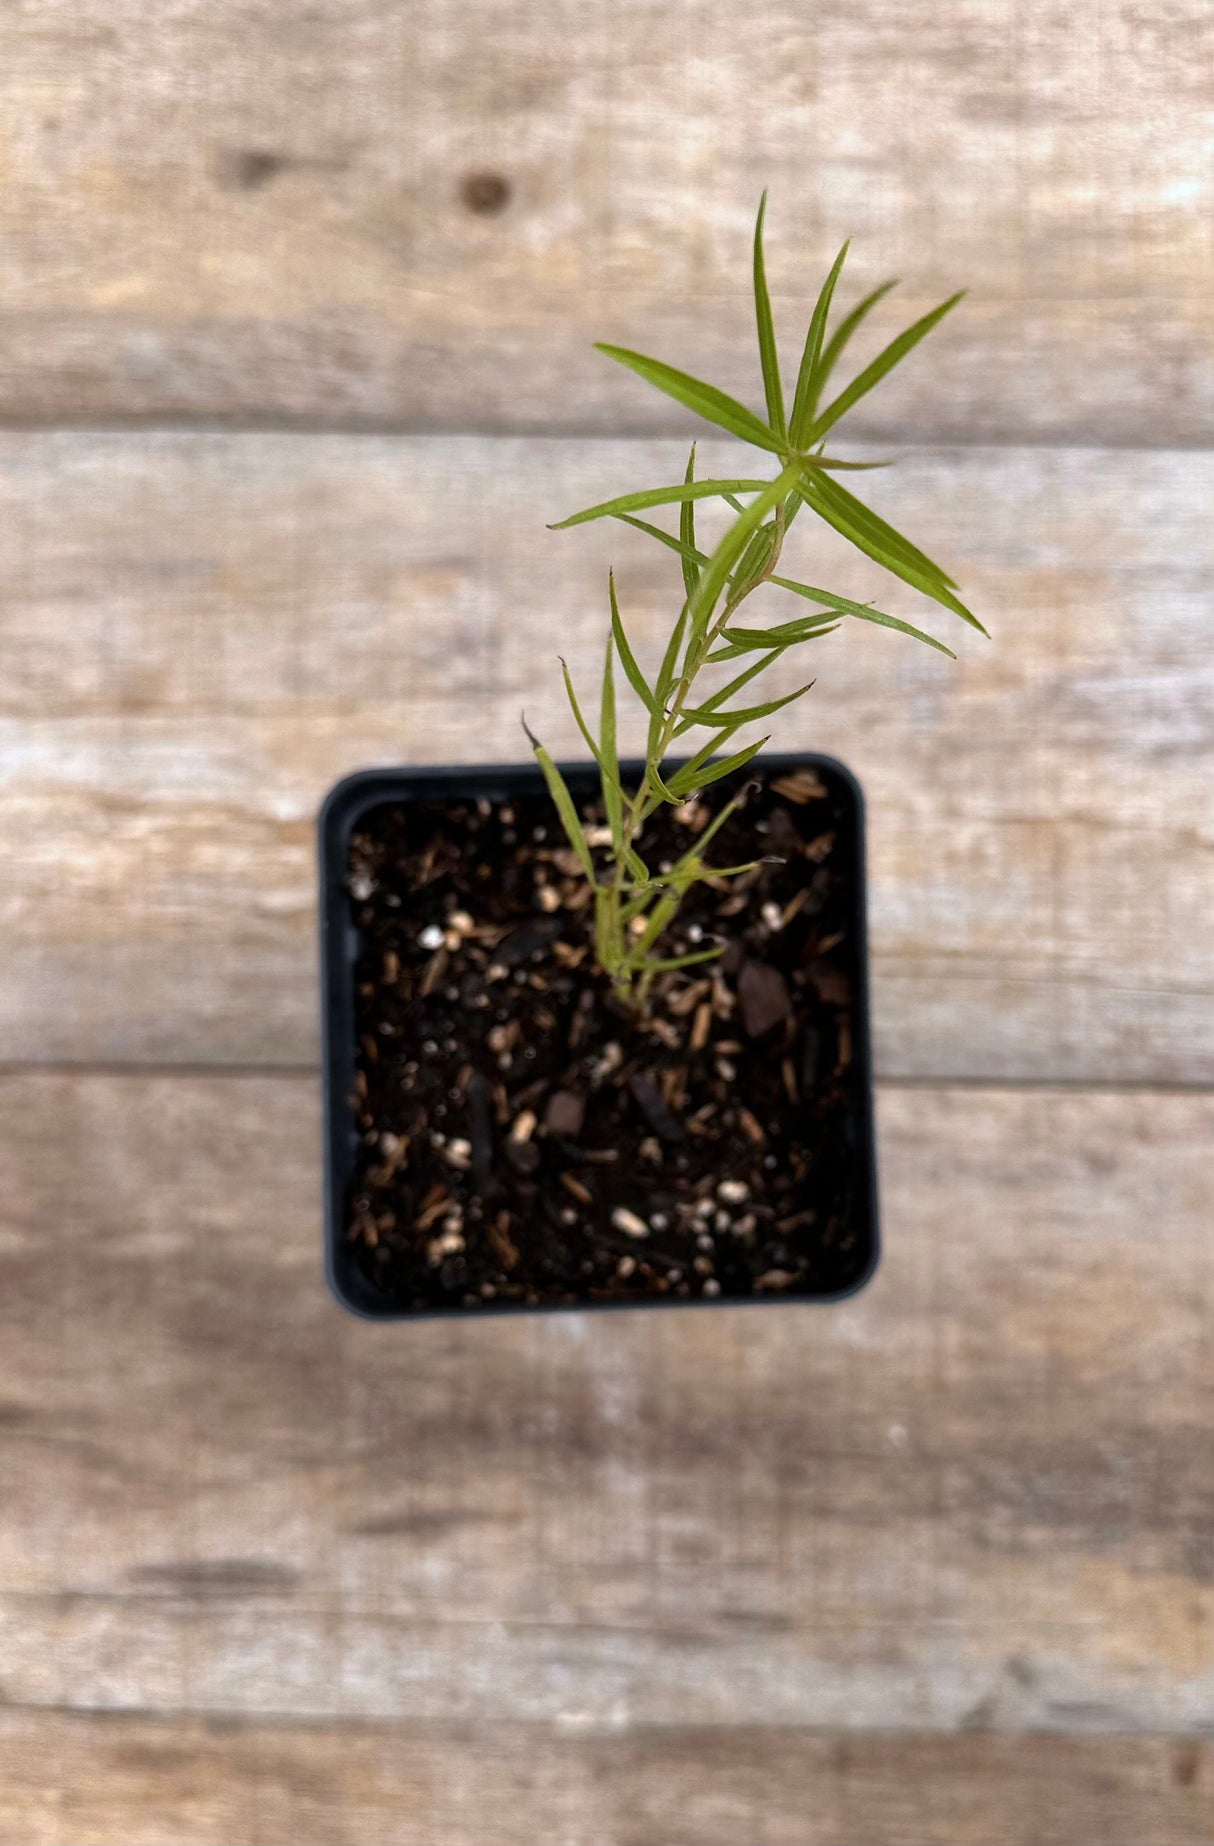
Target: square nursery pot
[{"x": 502, "y": 1135}]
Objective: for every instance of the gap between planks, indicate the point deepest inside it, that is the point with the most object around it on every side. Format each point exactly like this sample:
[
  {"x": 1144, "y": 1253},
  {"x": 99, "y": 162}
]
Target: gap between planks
[
  {"x": 185, "y": 1072},
  {"x": 679, "y": 430}
]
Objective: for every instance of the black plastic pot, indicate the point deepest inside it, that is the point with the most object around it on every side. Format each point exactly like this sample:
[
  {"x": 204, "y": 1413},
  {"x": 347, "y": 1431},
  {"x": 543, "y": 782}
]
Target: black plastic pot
[{"x": 350, "y": 803}]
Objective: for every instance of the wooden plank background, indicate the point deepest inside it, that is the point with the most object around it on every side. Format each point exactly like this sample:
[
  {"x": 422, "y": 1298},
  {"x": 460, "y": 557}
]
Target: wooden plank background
[
  {"x": 295, "y": 312},
  {"x": 203, "y": 632},
  {"x": 238, "y": 209}
]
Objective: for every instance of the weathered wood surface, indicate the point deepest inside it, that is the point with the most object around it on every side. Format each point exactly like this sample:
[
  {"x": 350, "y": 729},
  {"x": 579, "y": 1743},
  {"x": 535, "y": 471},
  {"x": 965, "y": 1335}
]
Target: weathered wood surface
[
  {"x": 937, "y": 1565},
  {"x": 200, "y": 633},
  {"x": 977, "y": 1497},
  {"x": 217, "y": 209},
  {"x": 139, "y": 1781}
]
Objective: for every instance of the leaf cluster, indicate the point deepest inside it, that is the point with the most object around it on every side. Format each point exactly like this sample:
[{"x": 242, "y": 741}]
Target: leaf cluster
[{"x": 634, "y": 907}]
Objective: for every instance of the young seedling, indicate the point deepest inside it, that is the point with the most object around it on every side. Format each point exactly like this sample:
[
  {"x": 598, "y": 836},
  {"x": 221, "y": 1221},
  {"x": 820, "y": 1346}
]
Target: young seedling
[{"x": 633, "y": 905}]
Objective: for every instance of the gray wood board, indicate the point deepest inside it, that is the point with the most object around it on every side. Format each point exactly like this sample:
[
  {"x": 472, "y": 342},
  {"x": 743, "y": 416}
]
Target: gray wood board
[
  {"x": 213, "y": 211},
  {"x": 202, "y": 632}
]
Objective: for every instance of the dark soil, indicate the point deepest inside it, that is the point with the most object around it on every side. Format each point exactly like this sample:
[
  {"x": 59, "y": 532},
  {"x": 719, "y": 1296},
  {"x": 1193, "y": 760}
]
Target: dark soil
[{"x": 525, "y": 1139}]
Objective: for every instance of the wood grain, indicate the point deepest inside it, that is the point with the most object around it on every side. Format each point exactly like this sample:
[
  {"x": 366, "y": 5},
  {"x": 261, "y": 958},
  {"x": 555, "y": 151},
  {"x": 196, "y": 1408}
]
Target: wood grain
[
  {"x": 976, "y": 1497},
  {"x": 936, "y": 1565},
  {"x": 201, "y": 633},
  {"x": 143, "y": 1781},
  {"x": 225, "y": 210}
]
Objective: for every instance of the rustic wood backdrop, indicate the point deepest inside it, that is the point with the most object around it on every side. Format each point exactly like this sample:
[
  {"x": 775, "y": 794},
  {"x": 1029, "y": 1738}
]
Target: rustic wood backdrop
[{"x": 295, "y": 311}]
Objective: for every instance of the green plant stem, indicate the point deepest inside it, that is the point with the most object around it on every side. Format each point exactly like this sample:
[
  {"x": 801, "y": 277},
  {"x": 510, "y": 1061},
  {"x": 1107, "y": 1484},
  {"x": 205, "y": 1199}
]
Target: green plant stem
[{"x": 649, "y": 795}]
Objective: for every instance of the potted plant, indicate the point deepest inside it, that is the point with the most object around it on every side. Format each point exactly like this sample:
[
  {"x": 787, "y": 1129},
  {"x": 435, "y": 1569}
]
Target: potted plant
[{"x": 598, "y": 1033}]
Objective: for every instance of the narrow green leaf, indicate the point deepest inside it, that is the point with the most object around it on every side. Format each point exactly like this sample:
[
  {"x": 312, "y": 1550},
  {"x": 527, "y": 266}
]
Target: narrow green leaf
[
  {"x": 608, "y": 945},
  {"x": 636, "y": 679},
  {"x": 695, "y": 763},
  {"x": 613, "y": 801},
  {"x": 693, "y": 562},
  {"x": 701, "y": 774},
  {"x": 687, "y": 532},
  {"x": 659, "y": 496},
  {"x": 879, "y": 619},
  {"x": 731, "y": 547},
  {"x": 863, "y": 612},
  {"x": 841, "y": 335},
  {"x": 686, "y": 552},
  {"x": 872, "y": 536},
  {"x": 693, "y": 857},
  {"x": 577, "y": 712},
  {"x": 707, "y": 402},
  {"x": 563, "y": 801},
  {"x": 872, "y": 374},
  {"x": 717, "y": 699},
  {"x": 662, "y": 915},
  {"x": 748, "y": 715},
  {"x": 876, "y": 545},
  {"x": 754, "y": 561},
  {"x": 662, "y": 793},
  {"x": 822, "y": 489},
  {"x": 667, "y": 963},
  {"x": 638, "y": 903},
  {"x": 841, "y": 605},
  {"x": 582, "y": 726},
  {"x": 699, "y": 872},
  {"x": 789, "y": 634},
  {"x": 768, "y": 357},
  {"x": 736, "y": 871},
  {"x": 755, "y": 558},
  {"x": 832, "y": 462},
  {"x": 665, "y": 681},
  {"x": 801, "y": 409},
  {"x": 792, "y": 506}
]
